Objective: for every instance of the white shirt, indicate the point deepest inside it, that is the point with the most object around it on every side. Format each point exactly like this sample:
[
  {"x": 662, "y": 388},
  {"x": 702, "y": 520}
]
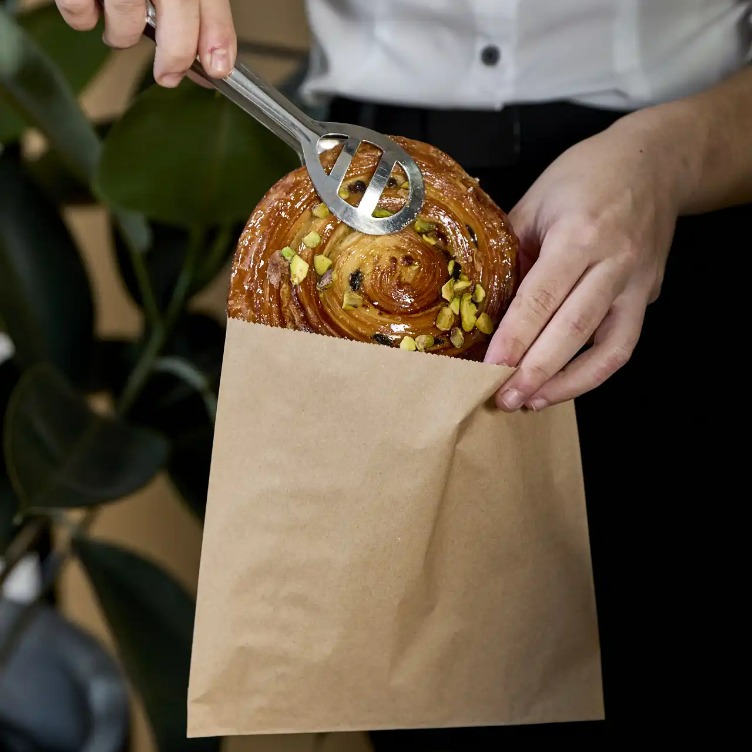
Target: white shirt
[{"x": 619, "y": 54}]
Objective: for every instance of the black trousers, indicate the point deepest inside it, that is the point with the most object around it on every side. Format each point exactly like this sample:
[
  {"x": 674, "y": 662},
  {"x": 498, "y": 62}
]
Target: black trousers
[{"x": 657, "y": 452}]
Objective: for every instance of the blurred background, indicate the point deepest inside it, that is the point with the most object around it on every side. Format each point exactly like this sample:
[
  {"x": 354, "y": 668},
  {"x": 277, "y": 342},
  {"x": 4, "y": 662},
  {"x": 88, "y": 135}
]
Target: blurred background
[{"x": 117, "y": 224}]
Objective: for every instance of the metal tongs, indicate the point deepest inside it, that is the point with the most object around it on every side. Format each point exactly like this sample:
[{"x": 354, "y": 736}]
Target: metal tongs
[{"x": 310, "y": 138}]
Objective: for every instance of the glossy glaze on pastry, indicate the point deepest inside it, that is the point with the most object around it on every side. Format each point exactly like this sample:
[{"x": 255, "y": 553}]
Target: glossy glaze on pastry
[{"x": 298, "y": 266}]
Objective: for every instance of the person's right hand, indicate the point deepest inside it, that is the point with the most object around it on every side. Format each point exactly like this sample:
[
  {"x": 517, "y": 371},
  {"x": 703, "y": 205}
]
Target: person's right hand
[{"x": 186, "y": 28}]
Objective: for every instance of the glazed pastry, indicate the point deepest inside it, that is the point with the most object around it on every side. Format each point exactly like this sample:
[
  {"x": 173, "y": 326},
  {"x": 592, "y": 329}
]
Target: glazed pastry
[{"x": 441, "y": 284}]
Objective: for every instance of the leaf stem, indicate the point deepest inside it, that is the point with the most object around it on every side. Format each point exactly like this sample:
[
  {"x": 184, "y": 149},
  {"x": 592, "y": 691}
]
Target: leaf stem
[{"x": 160, "y": 333}]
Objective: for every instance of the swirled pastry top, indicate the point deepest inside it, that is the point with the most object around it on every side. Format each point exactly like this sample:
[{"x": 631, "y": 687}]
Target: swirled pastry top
[{"x": 441, "y": 284}]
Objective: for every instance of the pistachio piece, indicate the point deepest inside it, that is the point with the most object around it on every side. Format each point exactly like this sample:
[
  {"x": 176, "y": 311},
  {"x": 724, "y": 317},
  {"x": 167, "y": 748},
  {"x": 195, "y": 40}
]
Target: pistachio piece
[
  {"x": 424, "y": 341},
  {"x": 461, "y": 286},
  {"x": 456, "y": 337},
  {"x": 321, "y": 211},
  {"x": 479, "y": 294},
  {"x": 343, "y": 193},
  {"x": 445, "y": 319},
  {"x": 464, "y": 278},
  {"x": 447, "y": 291},
  {"x": 312, "y": 239},
  {"x": 321, "y": 263},
  {"x": 326, "y": 280},
  {"x": 408, "y": 343},
  {"x": 484, "y": 323},
  {"x": 431, "y": 238},
  {"x": 423, "y": 225},
  {"x": 450, "y": 266},
  {"x": 468, "y": 312},
  {"x": 298, "y": 269},
  {"x": 405, "y": 185},
  {"x": 351, "y": 300},
  {"x": 455, "y": 306},
  {"x": 287, "y": 253},
  {"x": 379, "y": 212}
]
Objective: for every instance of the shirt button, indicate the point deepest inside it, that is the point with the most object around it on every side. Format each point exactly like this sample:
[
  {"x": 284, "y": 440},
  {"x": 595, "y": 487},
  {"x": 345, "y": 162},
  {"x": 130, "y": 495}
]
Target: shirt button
[{"x": 490, "y": 54}]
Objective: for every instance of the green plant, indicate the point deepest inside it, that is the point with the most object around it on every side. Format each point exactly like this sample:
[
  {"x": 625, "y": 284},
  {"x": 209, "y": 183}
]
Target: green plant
[{"x": 178, "y": 173}]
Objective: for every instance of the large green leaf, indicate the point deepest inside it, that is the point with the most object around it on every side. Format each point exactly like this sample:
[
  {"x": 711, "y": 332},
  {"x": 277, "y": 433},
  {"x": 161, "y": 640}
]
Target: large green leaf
[
  {"x": 151, "y": 617},
  {"x": 52, "y": 175},
  {"x": 45, "y": 297},
  {"x": 189, "y": 157},
  {"x": 60, "y": 453},
  {"x": 78, "y": 56},
  {"x": 36, "y": 87}
]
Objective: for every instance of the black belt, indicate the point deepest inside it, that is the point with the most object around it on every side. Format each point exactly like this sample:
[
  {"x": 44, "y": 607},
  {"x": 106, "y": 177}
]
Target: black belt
[{"x": 483, "y": 138}]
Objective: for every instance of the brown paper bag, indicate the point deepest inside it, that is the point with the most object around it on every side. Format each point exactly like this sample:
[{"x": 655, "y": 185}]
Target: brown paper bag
[{"x": 385, "y": 549}]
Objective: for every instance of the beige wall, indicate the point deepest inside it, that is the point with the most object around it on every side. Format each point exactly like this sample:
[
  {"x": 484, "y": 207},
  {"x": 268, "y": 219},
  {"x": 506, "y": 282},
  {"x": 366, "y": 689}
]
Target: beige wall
[{"x": 154, "y": 522}]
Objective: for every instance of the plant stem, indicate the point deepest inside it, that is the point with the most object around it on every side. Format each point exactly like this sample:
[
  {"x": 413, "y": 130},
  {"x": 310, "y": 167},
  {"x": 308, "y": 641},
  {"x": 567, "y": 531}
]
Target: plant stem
[
  {"x": 149, "y": 300},
  {"x": 161, "y": 332},
  {"x": 216, "y": 256}
]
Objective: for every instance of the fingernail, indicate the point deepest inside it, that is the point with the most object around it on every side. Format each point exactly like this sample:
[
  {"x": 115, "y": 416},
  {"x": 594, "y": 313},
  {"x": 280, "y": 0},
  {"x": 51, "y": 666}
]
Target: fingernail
[
  {"x": 512, "y": 399},
  {"x": 170, "y": 80},
  {"x": 219, "y": 63},
  {"x": 537, "y": 404}
]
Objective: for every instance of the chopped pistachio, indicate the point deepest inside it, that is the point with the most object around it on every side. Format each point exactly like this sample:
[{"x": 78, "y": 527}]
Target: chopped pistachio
[
  {"x": 424, "y": 342},
  {"x": 405, "y": 185},
  {"x": 298, "y": 269},
  {"x": 447, "y": 291},
  {"x": 450, "y": 266},
  {"x": 461, "y": 286},
  {"x": 287, "y": 253},
  {"x": 321, "y": 211},
  {"x": 312, "y": 239},
  {"x": 468, "y": 312},
  {"x": 422, "y": 225},
  {"x": 321, "y": 263},
  {"x": 445, "y": 319},
  {"x": 479, "y": 294},
  {"x": 455, "y": 306},
  {"x": 431, "y": 238},
  {"x": 464, "y": 278},
  {"x": 343, "y": 193},
  {"x": 456, "y": 337},
  {"x": 408, "y": 343},
  {"x": 484, "y": 323},
  {"x": 351, "y": 300},
  {"x": 379, "y": 212}
]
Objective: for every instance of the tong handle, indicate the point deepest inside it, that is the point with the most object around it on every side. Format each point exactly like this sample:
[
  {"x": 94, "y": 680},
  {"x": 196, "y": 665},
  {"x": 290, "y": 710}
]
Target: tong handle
[{"x": 256, "y": 97}]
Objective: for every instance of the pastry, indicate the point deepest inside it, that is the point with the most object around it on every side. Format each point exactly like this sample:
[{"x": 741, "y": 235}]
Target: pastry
[{"x": 441, "y": 284}]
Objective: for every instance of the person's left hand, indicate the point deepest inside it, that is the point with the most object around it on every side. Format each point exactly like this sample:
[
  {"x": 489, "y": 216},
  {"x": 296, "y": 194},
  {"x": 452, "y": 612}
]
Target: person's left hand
[{"x": 595, "y": 231}]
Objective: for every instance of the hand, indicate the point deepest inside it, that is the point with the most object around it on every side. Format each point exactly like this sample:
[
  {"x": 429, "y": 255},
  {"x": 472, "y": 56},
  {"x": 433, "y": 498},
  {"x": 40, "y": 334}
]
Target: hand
[
  {"x": 595, "y": 231},
  {"x": 186, "y": 28}
]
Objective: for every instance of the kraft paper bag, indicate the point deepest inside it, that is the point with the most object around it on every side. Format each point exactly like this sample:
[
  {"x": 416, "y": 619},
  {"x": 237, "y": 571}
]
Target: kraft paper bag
[{"x": 383, "y": 548}]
